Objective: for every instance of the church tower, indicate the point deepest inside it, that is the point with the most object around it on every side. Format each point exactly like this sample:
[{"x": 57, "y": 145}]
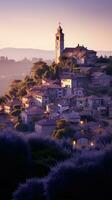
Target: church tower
[{"x": 59, "y": 43}]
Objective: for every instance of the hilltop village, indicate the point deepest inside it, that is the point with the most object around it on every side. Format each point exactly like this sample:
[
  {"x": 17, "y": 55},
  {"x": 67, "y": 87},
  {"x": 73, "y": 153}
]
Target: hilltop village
[{"x": 70, "y": 99}]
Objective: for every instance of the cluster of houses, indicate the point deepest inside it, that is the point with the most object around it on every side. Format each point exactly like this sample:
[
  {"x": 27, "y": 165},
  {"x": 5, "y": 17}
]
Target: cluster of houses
[
  {"x": 71, "y": 98},
  {"x": 66, "y": 99}
]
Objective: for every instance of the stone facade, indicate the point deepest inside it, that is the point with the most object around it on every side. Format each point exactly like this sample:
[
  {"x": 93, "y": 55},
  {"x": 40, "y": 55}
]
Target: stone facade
[
  {"x": 59, "y": 43},
  {"x": 81, "y": 54}
]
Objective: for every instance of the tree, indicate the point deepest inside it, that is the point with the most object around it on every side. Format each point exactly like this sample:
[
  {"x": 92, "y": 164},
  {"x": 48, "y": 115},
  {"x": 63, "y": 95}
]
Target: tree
[
  {"x": 63, "y": 133},
  {"x": 86, "y": 178},
  {"x": 103, "y": 140},
  {"x": 103, "y": 60},
  {"x": 63, "y": 130},
  {"x": 18, "y": 88},
  {"x": 14, "y": 162},
  {"x": 16, "y": 107},
  {"x": 109, "y": 69},
  {"x": 2, "y": 100},
  {"x": 28, "y": 82},
  {"x": 19, "y": 126},
  {"x": 63, "y": 60},
  {"x": 16, "y": 112},
  {"x": 13, "y": 92},
  {"x": 46, "y": 153},
  {"x": 75, "y": 68},
  {"x": 61, "y": 124},
  {"x": 38, "y": 70},
  {"x": 22, "y": 92},
  {"x": 33, "y": 189},
  {"x": 3, "y": 126},
  {"x": 42, "y": 70},
  {"x": 68, "y": 64},
  {"x": 55, "y": 71},
  {"x": 27, "y": 78}
]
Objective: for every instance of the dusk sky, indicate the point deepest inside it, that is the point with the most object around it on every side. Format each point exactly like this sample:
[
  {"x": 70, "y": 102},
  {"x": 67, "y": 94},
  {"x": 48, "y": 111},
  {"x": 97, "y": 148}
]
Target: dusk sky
[{"x": 33, "y": 23}]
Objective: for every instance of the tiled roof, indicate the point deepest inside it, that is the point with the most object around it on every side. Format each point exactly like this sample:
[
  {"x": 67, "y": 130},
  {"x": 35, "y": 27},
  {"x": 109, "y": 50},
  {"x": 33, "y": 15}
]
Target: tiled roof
[
  {"x": 78, "y": 49},
  {"x": 34, "y": 110},
  {"x": 47, "y": 122}
]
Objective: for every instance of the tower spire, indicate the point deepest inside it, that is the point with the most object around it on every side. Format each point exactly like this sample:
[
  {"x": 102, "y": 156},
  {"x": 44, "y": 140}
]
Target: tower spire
[
  {"x": 59, "y": 23},
  {"x": 59, "y": 27},
  {"x": 59, "y": 42}
]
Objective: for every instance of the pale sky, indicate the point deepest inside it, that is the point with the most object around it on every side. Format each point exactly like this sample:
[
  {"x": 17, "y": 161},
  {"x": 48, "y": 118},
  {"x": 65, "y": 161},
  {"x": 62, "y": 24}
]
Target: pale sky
[{"x": 33, "y": 23}]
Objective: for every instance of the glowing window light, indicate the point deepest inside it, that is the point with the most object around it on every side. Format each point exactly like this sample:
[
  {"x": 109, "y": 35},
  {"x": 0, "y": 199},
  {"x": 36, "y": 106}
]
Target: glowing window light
[
  {"x": 81, "y": 122},
  {"x": 92, "y": 144}
]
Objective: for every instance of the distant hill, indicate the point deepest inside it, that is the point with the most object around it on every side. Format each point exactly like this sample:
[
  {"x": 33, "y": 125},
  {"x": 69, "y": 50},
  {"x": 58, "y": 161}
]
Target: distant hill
[
  {"x": 17, "y": 70},
  {"x": 21, "y": 53}
]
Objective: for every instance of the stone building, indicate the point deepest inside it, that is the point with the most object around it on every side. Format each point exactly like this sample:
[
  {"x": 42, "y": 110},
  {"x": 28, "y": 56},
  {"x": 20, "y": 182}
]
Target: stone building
[
  {"x": 59, "y": 43},
  {"x": 81, "y": 54}
]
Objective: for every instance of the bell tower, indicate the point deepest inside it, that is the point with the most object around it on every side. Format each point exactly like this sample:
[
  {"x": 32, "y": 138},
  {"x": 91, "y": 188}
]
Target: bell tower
[{"x": 59, "y": 43}]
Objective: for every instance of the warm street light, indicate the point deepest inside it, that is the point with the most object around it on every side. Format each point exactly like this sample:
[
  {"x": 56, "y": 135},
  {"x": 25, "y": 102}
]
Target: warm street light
[
  {"x": 92, "y": 144},
  {"x": 81, "y": 122},
  {"x": 74, "y": 143}
]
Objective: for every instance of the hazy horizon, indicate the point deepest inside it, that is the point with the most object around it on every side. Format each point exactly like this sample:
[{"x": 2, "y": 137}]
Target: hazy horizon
[
  {"x": 28, "y": 48},
  {"x": 20, "y": 53},
  {"x": 18, "y": 71}
]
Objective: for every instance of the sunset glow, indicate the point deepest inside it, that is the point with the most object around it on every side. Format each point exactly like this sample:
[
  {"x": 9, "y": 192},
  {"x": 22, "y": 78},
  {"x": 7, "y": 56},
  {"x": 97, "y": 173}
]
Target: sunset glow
[{"x": 33, "y": 23}]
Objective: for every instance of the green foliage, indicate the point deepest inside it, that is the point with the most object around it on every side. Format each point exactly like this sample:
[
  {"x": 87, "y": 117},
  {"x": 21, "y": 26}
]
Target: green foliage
[
  {"x": 61, "y": 124},
  {"x": 27, "y": 78},
  {"x": 2, "y": 100},
  {"x": 16, "y": 112},
  {"x": 75, "y": 68},
  {"x": 38, "y": 70},
  {"x": 59, "y": 134},
  {"x": 110, "y": 92},
  {"x": 32, "y": 189},
  {"x": 13, "y": 92},
  {"x": 14, "y": 162},
  {"x": 109, "y": 69},
  {"x": 21, "y": 127},
  {"x": 103, "y": 60},
  {"x": 21, "y": 92},
  {"x": 41, "y": 70},
  {"x": 63, "y": 61},
  {"x": 2, "y": 126},
  {"x": 55, "y": 71},
  {"x": 69, "y": 64},
  {"x": 63, "y": 133},
  {"x": 17, "y": 89},
  {"x": 28, "y": 82},
  {"x": 46, "y": 152},
  {"x": 17, "y": 107},
  {"x": 63, "y": 130}
]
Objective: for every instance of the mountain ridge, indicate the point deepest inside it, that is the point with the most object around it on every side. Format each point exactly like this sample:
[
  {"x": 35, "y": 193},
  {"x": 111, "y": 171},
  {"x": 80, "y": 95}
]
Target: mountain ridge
[{"x": 21, "y": 53}]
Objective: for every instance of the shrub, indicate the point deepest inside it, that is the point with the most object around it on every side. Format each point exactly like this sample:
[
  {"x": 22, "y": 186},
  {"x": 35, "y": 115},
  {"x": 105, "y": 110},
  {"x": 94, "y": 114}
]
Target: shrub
[
  {"x": 14, "y": 162},
  {"x": 103, "y": 140},
  {"x": 32, "y": 190},
  {"x": 45, "y": 154},
  {"x": 19, "y": 126},
  {"x": 86, "y": 179}
]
